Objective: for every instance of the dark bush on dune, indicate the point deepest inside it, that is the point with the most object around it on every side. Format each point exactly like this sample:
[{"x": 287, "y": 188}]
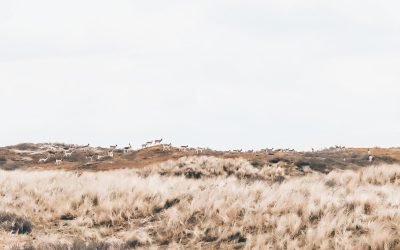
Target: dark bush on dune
[
  {"x": 278, "y": 159},
  {"x": 76, "y": 157},
  {"x": 318, "y": 166},
  {"x": 257, "y": 163},
  {"x": 361, "y": 159},
  {"x": 2, "y": 160},
  {"x": 10, "y": 165},
  {"x": 15, "y": 224},
  {"x": 386, "y": 159},
  {"x": 25, "y": 146},
  {"x": 301, "y": 163}
]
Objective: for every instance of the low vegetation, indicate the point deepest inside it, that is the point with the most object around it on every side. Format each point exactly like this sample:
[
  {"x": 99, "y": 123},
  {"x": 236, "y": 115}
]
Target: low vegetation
[
  {"x": 221, "y": 203},
  {"x": 15, "y": 224}
]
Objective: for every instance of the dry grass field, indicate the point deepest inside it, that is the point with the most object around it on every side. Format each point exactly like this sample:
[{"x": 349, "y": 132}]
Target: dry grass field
[{"x": 207, "y": 201}]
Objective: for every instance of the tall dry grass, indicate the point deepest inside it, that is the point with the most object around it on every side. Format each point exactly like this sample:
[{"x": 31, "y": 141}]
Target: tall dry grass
[{"x": 157, "y": 207}]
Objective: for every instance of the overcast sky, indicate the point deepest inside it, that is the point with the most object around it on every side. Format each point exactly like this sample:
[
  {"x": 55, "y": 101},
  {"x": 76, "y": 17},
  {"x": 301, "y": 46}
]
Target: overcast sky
[{"x": 223, "y": 74}]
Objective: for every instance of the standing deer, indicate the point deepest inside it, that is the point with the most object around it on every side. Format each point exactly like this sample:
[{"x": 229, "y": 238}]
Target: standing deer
[
  {"x": 67, "y": 154},
  {"x": 90, "y": 157},
  {"x": 110, "y": 154},
  {"x": 99, "y": 157},
  {"x": 126, "y": 149},
  {"x": 371, "y": 158},
  {"x": 158, "y": 141},
  {"x": 166, "y": 147},
  {"x": 43, "y": 160}
]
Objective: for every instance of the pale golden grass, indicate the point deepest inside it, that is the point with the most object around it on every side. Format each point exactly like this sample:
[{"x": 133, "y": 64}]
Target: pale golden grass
[{"x": 342, "y": 210}]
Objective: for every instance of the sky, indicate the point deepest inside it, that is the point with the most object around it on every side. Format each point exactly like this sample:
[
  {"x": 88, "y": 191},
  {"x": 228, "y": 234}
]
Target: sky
[{"x": 221, "y": 74}]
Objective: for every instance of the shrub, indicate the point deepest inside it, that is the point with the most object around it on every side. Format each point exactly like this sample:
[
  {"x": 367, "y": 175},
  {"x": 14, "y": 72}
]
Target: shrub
[
  {"x": 14, "y": 224},
  {"x": 278, "y": 159},
  {"x": 10, "y": 165},
  {"x": 386, "y": 159},
  {"x": 3, "y": 160},
  {"x": 76, "y": 157},
  {"x": 257, "y": 163},
  {"x": 25, "y": 146},
  {"x": 301, "y": 163}
]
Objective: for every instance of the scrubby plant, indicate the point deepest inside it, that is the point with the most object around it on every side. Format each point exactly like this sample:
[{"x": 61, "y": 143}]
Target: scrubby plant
[{"x": 13, "y": 223}]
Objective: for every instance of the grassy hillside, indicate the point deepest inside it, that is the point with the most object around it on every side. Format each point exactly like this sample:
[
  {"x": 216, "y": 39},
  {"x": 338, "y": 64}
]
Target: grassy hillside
[{"x": 205, "y": 202}]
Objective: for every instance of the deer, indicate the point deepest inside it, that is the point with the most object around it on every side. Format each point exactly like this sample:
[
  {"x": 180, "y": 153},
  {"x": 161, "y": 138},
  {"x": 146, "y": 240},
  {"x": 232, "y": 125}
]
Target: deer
[
  {"x": 58, "y": 162},
  {"x": 67, "y": 154},
  {"x": 144, "y": 145},
  {"x": 166, "y": 147},
  {"x": 43, "y": 160},
  {"x": 113, "y": 146},
  {"x": 110, "y": 154},
  {"x": 158, "y": 141},
  {"x": 371, "y": 158},
  {"x": 199, "y": 150},
  {"x": 149, "y": 143},
  {"x": 89, "y": 157},
  {"x": 99, "y": 157},
  {"x": 184, "y": 148},
  {"x": 126, "y": 149}
]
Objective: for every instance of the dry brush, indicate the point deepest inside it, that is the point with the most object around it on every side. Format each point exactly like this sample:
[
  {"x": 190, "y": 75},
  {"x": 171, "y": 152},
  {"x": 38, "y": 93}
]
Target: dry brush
[{"x": 221, "y": 203}]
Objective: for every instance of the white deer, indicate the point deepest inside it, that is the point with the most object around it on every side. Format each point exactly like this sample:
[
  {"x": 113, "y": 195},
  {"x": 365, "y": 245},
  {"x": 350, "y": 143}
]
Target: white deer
[
  {"x": 89, "y": 157},
  {"x": 110, "y": 154},
  {"x": 58, "y": 162},
  {"x": 371, "y": 158},
  {"x": 43, "y": 160},
  {"x": 67, "y": 154},
  {"x": 199, "y": 150},
  {"x": 166, "y": 147},
  {"x": 99, "y": 157}
]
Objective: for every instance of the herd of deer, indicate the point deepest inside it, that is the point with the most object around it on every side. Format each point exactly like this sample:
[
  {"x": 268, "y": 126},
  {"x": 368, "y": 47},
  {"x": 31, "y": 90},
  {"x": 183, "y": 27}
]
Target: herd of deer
[
  {"x": 59, "y": 153},
  {"x": 63, "y": 152}
]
